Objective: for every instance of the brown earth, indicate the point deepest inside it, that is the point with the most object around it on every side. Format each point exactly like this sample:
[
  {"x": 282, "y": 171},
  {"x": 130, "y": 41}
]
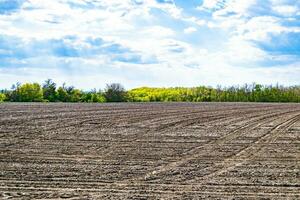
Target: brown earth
[{"x": 150, "y": 151}]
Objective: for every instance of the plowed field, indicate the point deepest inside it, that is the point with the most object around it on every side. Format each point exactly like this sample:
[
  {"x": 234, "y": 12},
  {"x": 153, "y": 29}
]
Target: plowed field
[{"x": 150, "y": 151}]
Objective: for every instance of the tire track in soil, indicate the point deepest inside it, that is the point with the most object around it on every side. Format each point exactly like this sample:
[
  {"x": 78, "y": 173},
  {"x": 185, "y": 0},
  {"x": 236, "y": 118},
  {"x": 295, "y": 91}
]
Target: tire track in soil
[
  {"x": 134, "y": 192},
  {"x": 192, "y": 154},
  {"x": 87, "y": 116},
  {"x": 245, "y": 155},
  {"x": 157, "y": 117},
  {"x": 178, "y": 123},
  {"x": 187, "y": 122},
  {"x": 69, "y": 188},
  {"x": 140, "y": 117},
  {"x": 250, "y": 152},
  {"x": 107, "y": 121},
  {"x": 92, "y": 117},
  {"x": 181, "y": 123},
  {"x": 128, "y": 141}
]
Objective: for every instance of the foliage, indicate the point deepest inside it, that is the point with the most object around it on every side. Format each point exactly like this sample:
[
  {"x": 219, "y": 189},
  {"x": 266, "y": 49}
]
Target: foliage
[
  {"x": 115, "y": 92},
  {"x": 93, "y": 97},
  {"x": 28, "y": 92},
  {"x": 49, "y": 90},
  {"x": 62, "y": 94},
  {"x": 246, "y": 93},
  {"x": 2, "y": 97},
  {"x": 68, "y": 94}
]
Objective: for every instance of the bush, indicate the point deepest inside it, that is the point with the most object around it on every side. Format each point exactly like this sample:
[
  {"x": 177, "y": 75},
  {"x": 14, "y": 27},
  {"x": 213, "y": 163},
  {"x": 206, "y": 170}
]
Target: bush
[
  {"x": 2, "y": 97},
  {"x": 69, "y": 94},
  {"x": 49, "y": 91},
  {"x": 29, "y": 92},
  {"x": 115, "y": 92},
  {"x": 62, "y": 94},
  {"x": 97, "y": 98}
]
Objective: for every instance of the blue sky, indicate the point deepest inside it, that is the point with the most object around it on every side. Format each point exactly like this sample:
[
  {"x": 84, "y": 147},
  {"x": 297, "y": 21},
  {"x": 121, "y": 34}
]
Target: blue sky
[{"x": 88, "y": 43}]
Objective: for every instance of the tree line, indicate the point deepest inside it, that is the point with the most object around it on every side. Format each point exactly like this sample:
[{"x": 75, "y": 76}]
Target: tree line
[
  {"x": 115, "y": 92},
  {"x": 49, "y": 92}
]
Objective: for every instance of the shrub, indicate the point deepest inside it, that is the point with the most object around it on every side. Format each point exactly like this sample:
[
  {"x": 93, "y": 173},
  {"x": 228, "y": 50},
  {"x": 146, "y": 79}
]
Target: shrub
[
  {"x": 49, "y": 90},
  {"x": 2, "y": 97},
  {"x": 115, "y": 92},
  {"x": 29, "y": 92}
]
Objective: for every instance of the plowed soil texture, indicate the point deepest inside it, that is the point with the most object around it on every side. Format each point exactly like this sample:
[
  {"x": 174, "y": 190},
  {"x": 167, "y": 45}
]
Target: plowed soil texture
[{"x": 149, "y": 151}]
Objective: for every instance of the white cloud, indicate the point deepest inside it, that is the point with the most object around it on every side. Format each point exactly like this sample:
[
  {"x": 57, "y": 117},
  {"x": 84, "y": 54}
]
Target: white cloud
[
  {"x": 158, "y": 75},
  {"x": 189, "y": 30},
  {"x": 211, "y": 4},
  {"x": 158, "y": 32},
  {"x": 223, "y": 51},
  {"x": 260, "y": 28},
  {"x": 228, "y": 14},
  {"x": 223, "y": 7},
  {"x": 286, "y": 10},
  {"x": 238, "y": 6},
  {"x": 243, "y": 52}
]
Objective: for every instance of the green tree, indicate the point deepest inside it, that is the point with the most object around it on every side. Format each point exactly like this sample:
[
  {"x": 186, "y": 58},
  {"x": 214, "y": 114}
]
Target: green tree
[
  {"x": 115, "y": 92},
  {"x": 93, "y": 97},
  {"x": 2, "y": 97},
  {"x": 75, "y": 95},
  {"x": 97, "y": 97},
  {"x": 12, "y": 94},
  {"x": 29, "y": 92},
  {"x": 70, "y": 94},
  {"x": 49, "y": 91},
  {"x": 62, "y": 94}
]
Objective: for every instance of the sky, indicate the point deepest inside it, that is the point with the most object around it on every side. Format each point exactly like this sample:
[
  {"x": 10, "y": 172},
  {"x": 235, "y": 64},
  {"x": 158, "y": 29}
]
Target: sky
[{"x": 156, "y": 43}]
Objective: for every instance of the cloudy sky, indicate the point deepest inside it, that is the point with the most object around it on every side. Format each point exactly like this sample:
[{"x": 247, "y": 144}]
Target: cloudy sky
[{"x": 87, "y": 43}]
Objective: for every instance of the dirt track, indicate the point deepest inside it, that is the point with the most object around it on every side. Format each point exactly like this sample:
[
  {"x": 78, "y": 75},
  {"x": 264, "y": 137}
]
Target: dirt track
[{"x": 150, "y": 151}]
